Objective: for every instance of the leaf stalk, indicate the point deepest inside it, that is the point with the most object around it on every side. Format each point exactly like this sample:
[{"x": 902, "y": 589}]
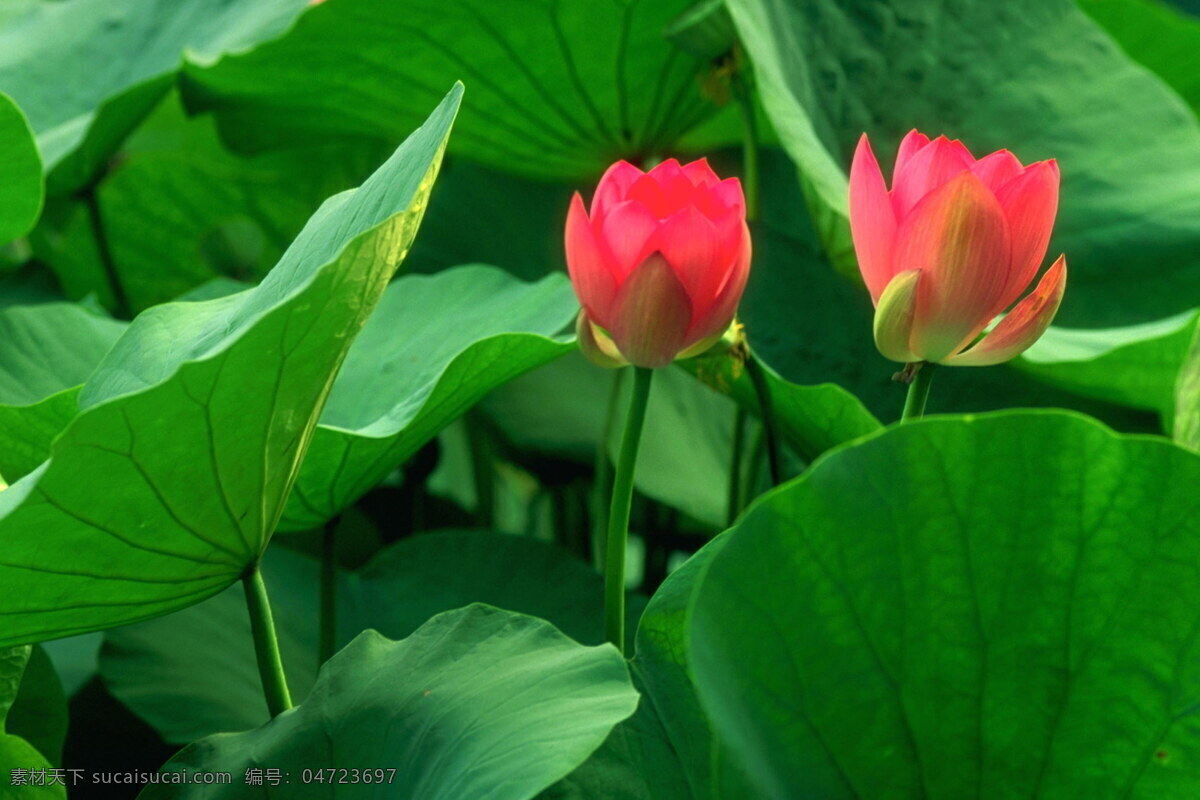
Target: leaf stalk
[{"x": 266, "y": 644}]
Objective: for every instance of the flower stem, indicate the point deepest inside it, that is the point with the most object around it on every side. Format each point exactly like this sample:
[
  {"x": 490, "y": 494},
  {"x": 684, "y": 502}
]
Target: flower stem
[
  {"x": 754, "y": 469},
  {"x": 745, "y": 101},
  {"x": 120, "y": 300},
  {"x": 618, "y": 513},
  {"x": 266, "y": 646},
  {"x": 482, "y": 471},
  {"x": 758, "y": 377},
  {"x": 328, "y": 630},
  {"x": 735, "y": 465},
  {"x": 603, "y": 477},
  {"x": 918, "y": 392}
]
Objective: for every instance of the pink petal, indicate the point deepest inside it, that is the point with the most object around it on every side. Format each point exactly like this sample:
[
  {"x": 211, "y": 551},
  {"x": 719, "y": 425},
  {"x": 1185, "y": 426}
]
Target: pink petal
[
  {"x": 1023, "y": 326},
  {"x": 730, "y": 227},
  {"x": 651, "y": 316},
  {"x": 690, "y": 244},
  {"x": 649, "y": 192},
  {"x": 721, "y": 198},
  {"x": 910, "y": 145},
  {"x": 997, "y": 169},
  {"x": 613, "y": 187},
  {"x": 625, "y": 236},
  {"x": 932, "y": 166},
  {"x": 700, "y": 173},
  {"x": 872, "y": 221},
  {"x": 716, "y": 318},
  {"x": 729, "y": 192},
  {"x": 677, "y": 186},
  {"x": 665, "y": 189},
  {"x": 958, "y": 237},
  {"x": 594, "y": 282},
  {"x": 1030, "y": 203}
]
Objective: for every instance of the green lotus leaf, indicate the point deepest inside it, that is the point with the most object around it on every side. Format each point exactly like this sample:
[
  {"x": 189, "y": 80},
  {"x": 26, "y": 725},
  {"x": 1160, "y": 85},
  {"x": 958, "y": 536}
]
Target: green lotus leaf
[
  {"x": 963, "y": 607},
  {"x": 169, "y": 483},
  {"x": 477, "y": 702}
]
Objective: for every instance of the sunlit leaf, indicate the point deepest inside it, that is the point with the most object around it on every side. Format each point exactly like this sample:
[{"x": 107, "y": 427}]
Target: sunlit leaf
[
  {"x": 436, "y": 345},
  {"x": 171, "y": 480},
  {"x": 1187, "y": 398},
  {"x": 20, "y": 757},
  {"x": 20, "y": 172}
]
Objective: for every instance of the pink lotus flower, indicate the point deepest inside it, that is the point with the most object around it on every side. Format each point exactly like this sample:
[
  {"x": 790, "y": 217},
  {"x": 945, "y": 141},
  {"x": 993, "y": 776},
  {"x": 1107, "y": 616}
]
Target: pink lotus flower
[
  {"x": 953, "y": 244},
  {"x": 660, "y": 264}
]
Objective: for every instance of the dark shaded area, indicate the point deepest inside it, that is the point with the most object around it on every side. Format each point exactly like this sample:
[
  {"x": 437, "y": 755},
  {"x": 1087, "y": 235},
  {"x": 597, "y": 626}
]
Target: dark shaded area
[{"x": 106, "y": 737}]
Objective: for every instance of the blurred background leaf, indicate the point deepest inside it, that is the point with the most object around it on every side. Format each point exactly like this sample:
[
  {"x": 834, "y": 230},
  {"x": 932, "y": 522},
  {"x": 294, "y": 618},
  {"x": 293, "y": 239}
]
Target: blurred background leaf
[
  {"x": 177, "y": 210},
  {"x": 1134, "y": 366},
  {"x": 148, "y": 665},
  {"x": 87, "y": 73},
  {"x": 50, "y": 349},
  {"x": 39, "y": 710},
  {"x": 1163, "y": 39},
  {"x": 433, "y": 348},
  {"x": 560, "y": 89}
]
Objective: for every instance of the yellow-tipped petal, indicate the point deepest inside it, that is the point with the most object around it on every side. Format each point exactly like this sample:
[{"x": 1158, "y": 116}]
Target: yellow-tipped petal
[
  {"x": 1023, "y": 326},
  {"x": 595, "y": 344},
  {"x": 704, "y": 345},
  {"x": 894, "y": 317}
]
